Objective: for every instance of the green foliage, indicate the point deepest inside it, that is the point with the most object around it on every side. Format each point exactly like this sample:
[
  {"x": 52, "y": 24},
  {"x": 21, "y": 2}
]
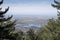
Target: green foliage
[
  {"x": 7, "y": 29},
  {"x": 31, "y": 35},
  {"x": 21, "y": 34},
  {"x": 51, "y": 31}
]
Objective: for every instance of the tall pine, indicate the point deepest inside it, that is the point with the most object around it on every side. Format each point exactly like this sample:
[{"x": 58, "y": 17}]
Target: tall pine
[{"x": 7, "y": 29}]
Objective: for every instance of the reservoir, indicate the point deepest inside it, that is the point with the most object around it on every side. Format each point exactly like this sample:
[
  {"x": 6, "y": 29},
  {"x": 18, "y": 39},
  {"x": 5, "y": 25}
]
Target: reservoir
[{"x": 29, "y": 26}]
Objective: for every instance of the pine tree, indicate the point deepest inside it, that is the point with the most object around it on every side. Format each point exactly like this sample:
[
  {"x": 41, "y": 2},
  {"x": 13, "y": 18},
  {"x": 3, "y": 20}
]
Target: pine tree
[
  {"x": 31, "y": 35},
  {"x": 7, "y": 29},
  {"x": 57, "y": 5},
  {"x": 51, "y": 31},
  {"x": 21, "y": 34}
]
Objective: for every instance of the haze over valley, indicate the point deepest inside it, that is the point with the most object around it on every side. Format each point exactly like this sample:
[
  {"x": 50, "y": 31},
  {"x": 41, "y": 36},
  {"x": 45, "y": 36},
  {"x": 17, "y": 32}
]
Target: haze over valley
[{"x": 24, "y": 22}]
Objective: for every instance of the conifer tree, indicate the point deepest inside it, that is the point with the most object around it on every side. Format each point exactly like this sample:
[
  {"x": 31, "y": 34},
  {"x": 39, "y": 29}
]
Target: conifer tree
[
  {"x": 7, "y": 29},
  {"x": 51, "y": 31},
  {"x": 21, "y": 34},
  {"x": 31, "y": 35}
]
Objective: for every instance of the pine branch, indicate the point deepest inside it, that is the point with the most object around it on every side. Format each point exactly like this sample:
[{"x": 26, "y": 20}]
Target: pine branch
[
  {"x": 9, "y": 18},
  {"x": 6, "y": 10},
  {"x": 56, "y": 6},
  {"x": 0, "y": 8},
  {"x": 1, "y": 2},
  {"x": 53, "y": 5},
  {"x": 3, "y": 12},
  {"x": 56, "y": 2},
  {"x": 4, "y": 19}
]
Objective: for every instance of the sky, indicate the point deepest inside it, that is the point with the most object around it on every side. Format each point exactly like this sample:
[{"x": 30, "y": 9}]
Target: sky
[{"x": 30, "y": 7}]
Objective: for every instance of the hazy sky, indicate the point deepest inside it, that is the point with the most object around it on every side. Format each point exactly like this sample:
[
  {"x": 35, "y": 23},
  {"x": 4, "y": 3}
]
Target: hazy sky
[{"x": 30, "y": 7}]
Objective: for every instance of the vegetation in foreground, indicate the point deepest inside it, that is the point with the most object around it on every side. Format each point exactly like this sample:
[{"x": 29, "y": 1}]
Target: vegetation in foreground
[{"x": 51, "y": 31}]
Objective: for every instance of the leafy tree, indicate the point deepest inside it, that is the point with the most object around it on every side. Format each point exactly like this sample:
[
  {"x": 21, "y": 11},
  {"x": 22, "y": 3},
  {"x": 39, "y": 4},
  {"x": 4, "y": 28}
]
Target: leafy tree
[{"x": 7, "y": 29}]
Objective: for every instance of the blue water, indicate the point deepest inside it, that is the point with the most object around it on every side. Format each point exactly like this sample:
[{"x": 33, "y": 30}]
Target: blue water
[
  {"x": 32, "y": 25},
  {"x": 29, "y": 26}
]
